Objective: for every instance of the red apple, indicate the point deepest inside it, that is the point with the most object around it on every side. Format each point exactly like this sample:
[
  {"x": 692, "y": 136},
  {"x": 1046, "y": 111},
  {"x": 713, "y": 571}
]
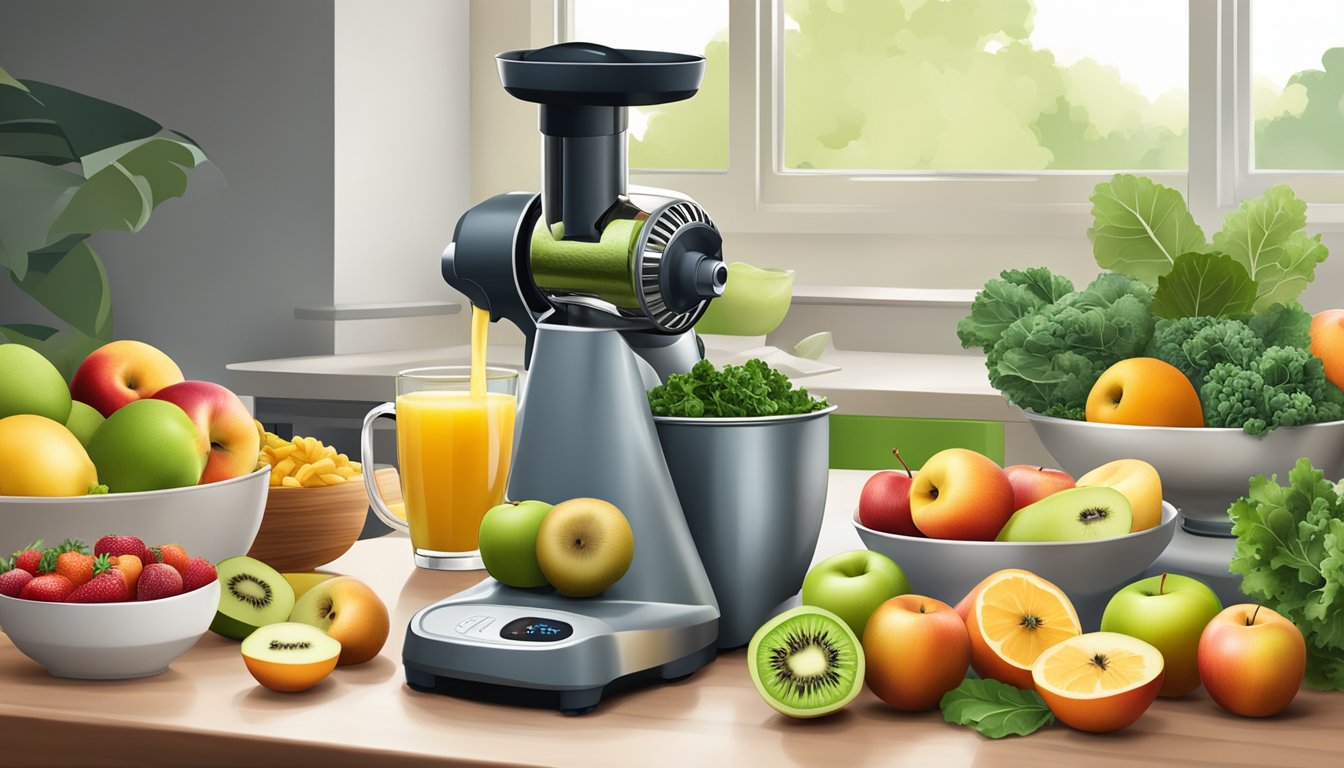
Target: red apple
[
  {"x": 226, "y": 428},
  {"x": 884, "y": 504},
  {"x": 916, "y": 649},
  {"x": 1251, "y": 660},
  {"x": 1031, "y": 484},
  {"x": 960, "y": 494},
  {"x": 121, "y": 372}
]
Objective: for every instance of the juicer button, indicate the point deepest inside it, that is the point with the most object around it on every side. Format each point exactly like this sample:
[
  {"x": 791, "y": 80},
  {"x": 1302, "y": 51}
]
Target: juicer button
[
  {"x": 483, "y": 623},
  {"x": 464, "y": 626}
]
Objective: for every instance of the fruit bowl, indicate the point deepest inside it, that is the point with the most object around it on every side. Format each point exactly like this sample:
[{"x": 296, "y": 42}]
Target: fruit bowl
[
  {"x": 109, "y": 641},
  {"x": 215, "y": 520},
  {"x": 947, "y": 569},
  {"x": 1203, "y": 469},
  {"x": 305, "y": 528}
]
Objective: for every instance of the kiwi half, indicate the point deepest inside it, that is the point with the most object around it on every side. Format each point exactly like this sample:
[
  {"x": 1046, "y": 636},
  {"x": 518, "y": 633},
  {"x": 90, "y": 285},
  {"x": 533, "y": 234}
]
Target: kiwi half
[
  {"x": 806, "y": 662},
  {"x": 288, "y": 656},
  {"x": 252, "y": 594}
]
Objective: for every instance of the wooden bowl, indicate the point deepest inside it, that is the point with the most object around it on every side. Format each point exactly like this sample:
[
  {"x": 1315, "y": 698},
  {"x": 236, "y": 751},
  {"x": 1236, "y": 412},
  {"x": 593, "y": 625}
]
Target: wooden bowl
[{"x": 305, "y": 528}]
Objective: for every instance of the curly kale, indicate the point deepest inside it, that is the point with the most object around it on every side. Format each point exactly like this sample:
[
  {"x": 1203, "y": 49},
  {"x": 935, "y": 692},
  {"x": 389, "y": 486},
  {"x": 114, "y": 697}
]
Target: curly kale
[
  {"x": 1284, "y": 387},
  {"x": 750, "y": 389},
  {"x": 1051, "y": 355},
  {"x": 1195, "y": 345}
]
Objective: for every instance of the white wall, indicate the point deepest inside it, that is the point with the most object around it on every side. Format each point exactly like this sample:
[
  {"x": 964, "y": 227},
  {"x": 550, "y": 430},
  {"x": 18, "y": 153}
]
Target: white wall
[{"x": 402, "y": 162}]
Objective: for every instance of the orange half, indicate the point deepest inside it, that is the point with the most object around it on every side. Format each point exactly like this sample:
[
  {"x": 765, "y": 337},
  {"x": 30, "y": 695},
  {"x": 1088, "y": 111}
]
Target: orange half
[
  {"x": 1101, "y": 681},
  {"x": 1015, "y": 617}
]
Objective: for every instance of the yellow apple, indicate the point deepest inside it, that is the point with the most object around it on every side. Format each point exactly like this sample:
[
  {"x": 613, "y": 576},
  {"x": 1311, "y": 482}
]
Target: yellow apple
[
  {"x": 348, "y": 611},
  {"x": 1138, "y": 481}
]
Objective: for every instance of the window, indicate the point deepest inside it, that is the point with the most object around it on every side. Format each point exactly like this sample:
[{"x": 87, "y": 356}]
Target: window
[
  {"x": 686, "y": 135},
  {"x": 1297, "y": 96},
  {"x": 955, "y": 115}
]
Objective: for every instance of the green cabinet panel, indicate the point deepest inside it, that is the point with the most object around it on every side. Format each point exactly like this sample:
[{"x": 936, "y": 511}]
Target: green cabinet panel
[{"x": 865, "y": 442}]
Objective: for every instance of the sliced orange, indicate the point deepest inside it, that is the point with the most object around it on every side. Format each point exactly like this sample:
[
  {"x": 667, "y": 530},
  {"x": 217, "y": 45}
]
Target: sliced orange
[
  {"x": 1014, "y": 617},
  {"x": 1099, "y": 682}
]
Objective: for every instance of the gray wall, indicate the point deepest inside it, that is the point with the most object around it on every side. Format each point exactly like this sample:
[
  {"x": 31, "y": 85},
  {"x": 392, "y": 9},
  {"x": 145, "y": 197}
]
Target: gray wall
[{"x": 215, "y": 276}]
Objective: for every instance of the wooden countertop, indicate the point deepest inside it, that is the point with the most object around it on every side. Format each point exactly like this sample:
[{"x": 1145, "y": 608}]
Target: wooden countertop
[{"x": 207, "y": 710}]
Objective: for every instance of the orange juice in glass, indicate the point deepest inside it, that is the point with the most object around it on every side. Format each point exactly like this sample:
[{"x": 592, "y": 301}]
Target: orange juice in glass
[{"x": 453, "y": 452}]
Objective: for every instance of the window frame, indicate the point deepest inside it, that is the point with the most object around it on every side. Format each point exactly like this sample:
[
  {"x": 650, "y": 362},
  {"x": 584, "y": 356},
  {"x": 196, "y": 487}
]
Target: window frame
[{"x": 756, "y": 195}]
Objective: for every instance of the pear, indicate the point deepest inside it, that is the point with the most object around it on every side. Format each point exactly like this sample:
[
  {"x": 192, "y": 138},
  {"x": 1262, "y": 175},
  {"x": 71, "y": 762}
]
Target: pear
[{"x": 1076, "y": 514}]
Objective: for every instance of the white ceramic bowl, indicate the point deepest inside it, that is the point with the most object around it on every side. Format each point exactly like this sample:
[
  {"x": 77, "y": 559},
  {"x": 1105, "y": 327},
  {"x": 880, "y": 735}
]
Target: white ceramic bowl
[
  {"x": 109, "y": 641},
  {"x": 214, "y": 521},
  {"x": 947, "y": 569},
  {"x": 1203, "y": 470}
]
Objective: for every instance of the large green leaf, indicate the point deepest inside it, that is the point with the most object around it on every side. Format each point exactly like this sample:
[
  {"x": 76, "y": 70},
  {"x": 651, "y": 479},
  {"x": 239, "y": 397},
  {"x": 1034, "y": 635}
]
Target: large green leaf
[
  {"x": 27, "y": 129},
  {"x": 90, "y": 124},
  {"x": 125, "y": 183},
  {"x": 161, "y": 161},
  {"x": 72, "y": 285},
  {"x": 32, "y": 196},
  {"x": 1204, "y": 284},
  {"x": 1265, "y": 236},
  {"x": 1140, "y": 227}
]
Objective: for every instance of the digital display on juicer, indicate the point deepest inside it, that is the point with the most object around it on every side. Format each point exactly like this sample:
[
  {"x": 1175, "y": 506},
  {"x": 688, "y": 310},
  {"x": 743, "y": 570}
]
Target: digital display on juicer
[{"x": 535, "y": 630}]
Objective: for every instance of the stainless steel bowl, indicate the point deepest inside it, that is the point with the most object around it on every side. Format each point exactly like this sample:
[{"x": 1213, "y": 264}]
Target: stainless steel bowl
[
  {"x": 753, "y": 490},
  {"x": 1203, "y": 470},
  {"x": 948, "y": 569}
]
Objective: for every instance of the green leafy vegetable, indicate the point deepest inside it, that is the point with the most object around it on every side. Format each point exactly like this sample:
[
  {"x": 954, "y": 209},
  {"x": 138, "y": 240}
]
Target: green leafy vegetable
[
  {"x": 1204, "y": 284},
  {"x": 1054, "y": 351},
  {"x": 1140, "y": 227},
  {"x": 1265, "y": 236},
  {"x": 750, "y": 389},
  {"x": 995, "y": 709},
  {"x": 1290, "y": 555}
]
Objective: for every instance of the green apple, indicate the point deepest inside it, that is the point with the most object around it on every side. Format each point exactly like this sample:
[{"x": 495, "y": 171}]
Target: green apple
[
  {"x": 147, "y": 445},
  {"x": 852, "y": 584},
  {"x": 83, "y": 422},
  {"x": 1075, "y": 514},
  {"x": 508, "y": 542},
  {"x": 1168, "y": 612},
  {"x": 31, "y": 384}
]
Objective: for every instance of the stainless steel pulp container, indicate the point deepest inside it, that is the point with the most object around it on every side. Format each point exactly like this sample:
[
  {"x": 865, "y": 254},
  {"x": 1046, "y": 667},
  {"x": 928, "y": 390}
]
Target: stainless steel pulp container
[{"x": 753, "y": 491}]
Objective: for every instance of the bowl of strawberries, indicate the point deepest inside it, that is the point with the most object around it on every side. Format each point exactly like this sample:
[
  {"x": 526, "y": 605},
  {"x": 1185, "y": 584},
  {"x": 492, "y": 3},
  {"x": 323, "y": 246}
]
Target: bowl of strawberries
[{"x": 118, "y": 610}]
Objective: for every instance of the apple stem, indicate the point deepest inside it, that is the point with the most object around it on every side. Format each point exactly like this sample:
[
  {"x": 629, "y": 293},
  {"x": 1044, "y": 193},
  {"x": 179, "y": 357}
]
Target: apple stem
[
  {"x": 1251, "y": 622},
  {"x": 1162, "y": 585},
  {"x": 897, "y": 452}
]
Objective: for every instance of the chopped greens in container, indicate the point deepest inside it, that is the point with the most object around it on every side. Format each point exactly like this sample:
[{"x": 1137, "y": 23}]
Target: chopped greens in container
[{"x": 736, "y": 391}]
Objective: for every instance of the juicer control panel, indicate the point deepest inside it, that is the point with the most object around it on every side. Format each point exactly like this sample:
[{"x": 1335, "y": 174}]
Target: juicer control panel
[{"x": 531, "y": 629}]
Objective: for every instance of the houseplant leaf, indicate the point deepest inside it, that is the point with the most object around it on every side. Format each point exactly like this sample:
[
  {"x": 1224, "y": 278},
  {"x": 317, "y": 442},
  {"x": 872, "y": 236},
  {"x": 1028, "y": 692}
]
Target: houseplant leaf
[
  {"x": 1265, "y": 236},
  {"x": 112, "y": 199},
  {"x": 1140, "y": 227},
  {"x": 71, "y": 283},
  {"x": 90, "y": 124},
  {"x": 7, "y": 80},
  {"x": 1204, "y": 284},
  {"x": 160, "y": 160},
  {"x": 26, "y": 130},
  {"x": 32, "y": 195}
]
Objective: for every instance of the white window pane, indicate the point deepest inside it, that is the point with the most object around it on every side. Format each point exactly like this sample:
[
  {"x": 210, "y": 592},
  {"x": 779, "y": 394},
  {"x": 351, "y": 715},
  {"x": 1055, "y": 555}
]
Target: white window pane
[
  {"x": 1297, "y": 96},
  {"x": 689, "y": 135},
  {"x": 909, "y": 85}
]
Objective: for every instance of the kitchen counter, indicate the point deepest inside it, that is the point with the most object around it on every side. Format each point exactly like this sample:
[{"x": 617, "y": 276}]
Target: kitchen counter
[{"x": 207, "y": 710}]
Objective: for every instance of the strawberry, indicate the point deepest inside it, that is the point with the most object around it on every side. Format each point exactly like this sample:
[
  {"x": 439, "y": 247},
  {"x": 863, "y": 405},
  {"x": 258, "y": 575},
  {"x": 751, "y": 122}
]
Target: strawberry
[
  {"x": 28, "y": 557},
  {"x": 12, "y": 580},
  {"x": 107, "y": 585},
  {"x": 112, "y": 545},
  {"x": 174, "y": 555},
  {"x": 75, "y": 566},
  {"x": 130, "y": 568},
  {"x": 159, "y": 580},
  {"x": 47, "y": 588},
  {"x": 199, "y": 573}
]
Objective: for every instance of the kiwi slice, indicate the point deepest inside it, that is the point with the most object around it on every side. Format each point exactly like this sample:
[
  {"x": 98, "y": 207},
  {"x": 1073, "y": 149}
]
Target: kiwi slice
[
  {"x": 806, "y": 662},
  {"x": 252, "y": 594},
  {"x": 288, "y": 656}
]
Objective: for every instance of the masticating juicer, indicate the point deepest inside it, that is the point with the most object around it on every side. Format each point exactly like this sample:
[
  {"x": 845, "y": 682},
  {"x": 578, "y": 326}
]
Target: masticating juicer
[{"x": 605, "y": 286}]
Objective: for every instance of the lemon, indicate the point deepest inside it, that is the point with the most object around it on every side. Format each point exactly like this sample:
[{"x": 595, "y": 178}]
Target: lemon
[{"x": 40, "y": 457}]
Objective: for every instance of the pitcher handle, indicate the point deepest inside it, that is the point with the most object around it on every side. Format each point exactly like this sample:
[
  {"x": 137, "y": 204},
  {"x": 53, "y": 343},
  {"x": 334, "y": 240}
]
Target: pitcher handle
[{"x": 388, "y": 410}]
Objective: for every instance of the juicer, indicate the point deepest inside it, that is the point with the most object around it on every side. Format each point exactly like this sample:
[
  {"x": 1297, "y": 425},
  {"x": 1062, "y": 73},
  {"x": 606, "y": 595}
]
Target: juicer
[{"x": 605, "y": 285}]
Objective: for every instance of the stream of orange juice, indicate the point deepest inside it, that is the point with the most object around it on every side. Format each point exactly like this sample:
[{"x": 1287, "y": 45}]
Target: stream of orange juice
[{"x": 455, "y": 448}]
